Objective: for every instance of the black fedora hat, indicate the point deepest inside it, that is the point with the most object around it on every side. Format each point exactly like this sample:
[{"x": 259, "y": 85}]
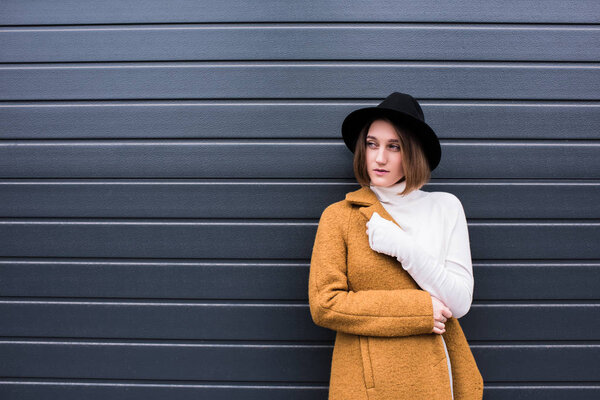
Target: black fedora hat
[{"x": 403, "y": 110}]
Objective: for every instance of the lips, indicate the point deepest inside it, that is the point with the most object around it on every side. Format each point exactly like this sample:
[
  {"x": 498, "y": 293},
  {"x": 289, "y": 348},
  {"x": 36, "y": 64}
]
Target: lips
[{"x": 380, "y": 172}]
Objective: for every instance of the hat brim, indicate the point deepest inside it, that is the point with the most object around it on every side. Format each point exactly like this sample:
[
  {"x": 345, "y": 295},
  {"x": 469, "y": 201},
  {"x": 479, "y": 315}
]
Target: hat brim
[{"x": 357, "y": 119}]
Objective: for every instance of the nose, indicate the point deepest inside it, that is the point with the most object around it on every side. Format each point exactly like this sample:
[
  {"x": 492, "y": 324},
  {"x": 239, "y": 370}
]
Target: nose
[{"x": 380, "y": 155}]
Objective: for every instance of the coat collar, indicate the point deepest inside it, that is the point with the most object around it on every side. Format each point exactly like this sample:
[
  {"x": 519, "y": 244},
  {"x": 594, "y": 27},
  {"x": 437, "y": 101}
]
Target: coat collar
[{"x": 366, "y": 198}]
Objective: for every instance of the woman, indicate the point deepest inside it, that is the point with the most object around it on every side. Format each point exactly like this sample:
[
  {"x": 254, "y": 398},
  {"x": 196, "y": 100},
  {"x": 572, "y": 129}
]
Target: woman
[{"x": 391, "y": 267}]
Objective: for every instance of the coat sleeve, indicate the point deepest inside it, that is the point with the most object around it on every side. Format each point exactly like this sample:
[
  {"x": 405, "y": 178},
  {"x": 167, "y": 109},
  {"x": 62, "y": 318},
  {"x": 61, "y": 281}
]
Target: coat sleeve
[{"x": 402, "y": 312}]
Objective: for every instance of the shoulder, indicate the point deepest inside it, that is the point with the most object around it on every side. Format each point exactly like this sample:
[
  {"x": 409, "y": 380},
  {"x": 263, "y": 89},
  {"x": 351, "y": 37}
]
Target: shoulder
[
  {"x": 336, "y": 215},
  {"x": 337, "y": 211},
  {"x": 447, "y": 200}
]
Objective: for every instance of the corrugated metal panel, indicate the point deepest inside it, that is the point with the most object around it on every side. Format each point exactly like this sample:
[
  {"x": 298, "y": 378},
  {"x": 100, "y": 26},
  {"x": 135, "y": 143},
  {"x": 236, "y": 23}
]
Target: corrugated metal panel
[
  {"x": 287, "y": 119},
  {"x": 155, "y": 198},
  {"x": 33, "y": 12},
  {"x": 266, "y": 279},
  {"x": 265, "y": 362},
  {"x": 300, "y": 79},
  {"x": 225, "y": 238},
  {"x": 301, "y": 42},
  {"x": 268, "y": 159},
  {"x": 126, "y": 267},
  {"x": 180, "y": 320}
]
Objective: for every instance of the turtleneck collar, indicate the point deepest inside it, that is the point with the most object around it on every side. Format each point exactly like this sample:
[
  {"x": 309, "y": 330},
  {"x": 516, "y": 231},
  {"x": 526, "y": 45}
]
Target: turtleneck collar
[{"x": 388, "y": 195}]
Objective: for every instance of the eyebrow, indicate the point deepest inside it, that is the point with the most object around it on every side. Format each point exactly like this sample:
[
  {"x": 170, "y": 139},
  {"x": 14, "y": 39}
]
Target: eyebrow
[{"x": 391, "y": 140}]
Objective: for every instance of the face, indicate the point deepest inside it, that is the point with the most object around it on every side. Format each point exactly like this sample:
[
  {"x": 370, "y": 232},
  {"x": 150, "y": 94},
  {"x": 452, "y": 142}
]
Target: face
[{"x": 383, "y": 154}]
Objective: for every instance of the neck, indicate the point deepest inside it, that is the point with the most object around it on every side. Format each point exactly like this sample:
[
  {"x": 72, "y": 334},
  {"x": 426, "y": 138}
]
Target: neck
[{"x": 390, "y": 194}]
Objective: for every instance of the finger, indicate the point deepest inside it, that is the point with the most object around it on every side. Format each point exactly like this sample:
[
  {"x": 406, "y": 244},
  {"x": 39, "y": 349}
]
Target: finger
[
  {"x": 446, "y": 312},
  {"x": 439, "y": 325},
  {"x": 376, "y": 218},
  {"x": 438, "y": 331}
]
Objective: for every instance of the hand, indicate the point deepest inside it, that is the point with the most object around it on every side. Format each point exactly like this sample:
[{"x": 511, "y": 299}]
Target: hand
[
  {"x": 441, "y": 313},
  {"x": 388, "y": 238}
]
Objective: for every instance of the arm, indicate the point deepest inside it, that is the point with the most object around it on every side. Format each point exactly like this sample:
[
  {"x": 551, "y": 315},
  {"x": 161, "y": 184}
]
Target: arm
[
  {"x": 450, "y": 281},
  {"x": 369, "y": 312}
]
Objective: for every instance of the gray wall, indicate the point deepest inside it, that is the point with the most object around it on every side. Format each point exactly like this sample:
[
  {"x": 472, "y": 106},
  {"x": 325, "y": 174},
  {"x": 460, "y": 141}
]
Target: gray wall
[{"x": 163, "y": 166}]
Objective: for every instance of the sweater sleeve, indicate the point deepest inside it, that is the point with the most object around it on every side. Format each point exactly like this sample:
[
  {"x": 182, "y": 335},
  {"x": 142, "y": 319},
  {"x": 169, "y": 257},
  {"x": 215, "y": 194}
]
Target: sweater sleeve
[
  {"x": 451, "y": 281},
  {"x": 402, "y": 312}
]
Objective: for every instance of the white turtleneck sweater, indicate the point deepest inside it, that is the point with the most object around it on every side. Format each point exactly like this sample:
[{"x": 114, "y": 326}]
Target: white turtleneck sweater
[{"x": 437, "y": 222}]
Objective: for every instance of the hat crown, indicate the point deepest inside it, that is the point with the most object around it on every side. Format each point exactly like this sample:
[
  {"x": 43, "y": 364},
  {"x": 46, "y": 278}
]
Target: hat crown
[
  {"x": 404, "y": 111},
  {"x": 404, "y": 103}
]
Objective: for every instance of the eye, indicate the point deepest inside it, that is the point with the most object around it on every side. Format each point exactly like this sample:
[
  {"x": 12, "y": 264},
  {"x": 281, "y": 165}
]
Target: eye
[
  {"x": 395, "y": 147},
  {"x": 371, "y": 144}
]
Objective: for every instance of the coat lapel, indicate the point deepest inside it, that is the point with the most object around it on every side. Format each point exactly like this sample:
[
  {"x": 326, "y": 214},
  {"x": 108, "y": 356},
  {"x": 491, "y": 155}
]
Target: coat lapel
[{"x": 366, "y": 198}]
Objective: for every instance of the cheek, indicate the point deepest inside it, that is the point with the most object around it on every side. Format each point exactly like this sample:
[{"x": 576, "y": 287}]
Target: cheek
[{"x": 398, "y": 163}]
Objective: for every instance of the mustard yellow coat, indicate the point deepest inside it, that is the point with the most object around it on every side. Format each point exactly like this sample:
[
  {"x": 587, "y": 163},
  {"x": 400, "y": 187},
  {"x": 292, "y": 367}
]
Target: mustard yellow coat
[{"x": 384, "y": 346}]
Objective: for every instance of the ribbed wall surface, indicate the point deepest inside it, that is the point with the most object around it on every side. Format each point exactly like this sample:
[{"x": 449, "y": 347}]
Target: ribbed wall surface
[{"x": 163, "y": 166}]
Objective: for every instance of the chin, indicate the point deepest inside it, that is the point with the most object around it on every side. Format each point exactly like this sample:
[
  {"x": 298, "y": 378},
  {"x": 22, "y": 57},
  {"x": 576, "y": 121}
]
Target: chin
[{"x": 380, "y": 182}]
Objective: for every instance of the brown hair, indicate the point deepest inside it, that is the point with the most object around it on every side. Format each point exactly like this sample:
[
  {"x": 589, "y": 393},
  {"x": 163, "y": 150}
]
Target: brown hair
[{"x": 414, "y": 162}]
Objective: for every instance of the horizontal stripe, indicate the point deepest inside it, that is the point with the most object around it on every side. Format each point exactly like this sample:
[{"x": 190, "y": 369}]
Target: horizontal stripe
[
  {"x": 159, "y": 391},
  {"x": 266, "y": 363},
  {"x": 16, "y": 12},
  {"x": 264, "y": 280},
  {"x": 301, "y": 42},
  {"x": 229, "y": 80},
  {"x": 259, "y": 321},
  {"x": 287, "y": 119},
  {"x": 67, "y": 390},
  {"x": 282, "y": 159},
  {"x": 227, "y": 199},
  {"x": 262, "y": 239}
]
